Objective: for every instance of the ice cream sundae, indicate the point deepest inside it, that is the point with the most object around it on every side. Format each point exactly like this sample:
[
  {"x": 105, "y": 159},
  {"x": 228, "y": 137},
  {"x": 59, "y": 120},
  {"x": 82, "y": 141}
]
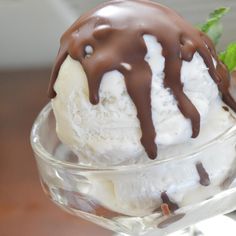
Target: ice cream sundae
[{"x": 137, "y": 87}]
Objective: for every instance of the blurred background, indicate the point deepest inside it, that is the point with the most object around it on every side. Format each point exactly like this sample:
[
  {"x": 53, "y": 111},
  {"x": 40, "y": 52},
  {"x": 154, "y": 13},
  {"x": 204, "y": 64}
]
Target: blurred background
[
  {"x": 29, "y": 40},
  {"x": 30, "y": 29}
]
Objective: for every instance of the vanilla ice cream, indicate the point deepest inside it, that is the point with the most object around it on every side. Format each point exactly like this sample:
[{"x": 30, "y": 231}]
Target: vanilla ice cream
[{"x": 109, "y": 133}]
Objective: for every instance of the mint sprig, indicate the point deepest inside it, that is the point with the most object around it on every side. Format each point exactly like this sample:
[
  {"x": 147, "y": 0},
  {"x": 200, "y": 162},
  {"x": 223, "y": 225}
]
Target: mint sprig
[
  {"x": 228, "y": 57},
  {"x": 213, "y": 27}
]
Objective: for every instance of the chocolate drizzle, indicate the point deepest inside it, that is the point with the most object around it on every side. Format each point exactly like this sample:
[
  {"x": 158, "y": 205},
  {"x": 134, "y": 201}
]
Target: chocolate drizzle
[
  {"x": 225, "y": 108},
  {"x": 115, "y": 32},
  {"x": 172, "y": 206},
  {"x": 204, "y": 177}
]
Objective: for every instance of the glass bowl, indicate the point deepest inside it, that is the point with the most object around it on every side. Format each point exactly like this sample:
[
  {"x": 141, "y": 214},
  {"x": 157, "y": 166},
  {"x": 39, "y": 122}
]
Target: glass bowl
[{"x": 91, "y": 192}]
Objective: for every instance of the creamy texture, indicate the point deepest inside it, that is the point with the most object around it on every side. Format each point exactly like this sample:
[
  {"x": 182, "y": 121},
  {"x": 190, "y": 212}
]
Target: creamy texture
[
  {"x": 138, "y": 193},
  {"x": 100, "y": 40},
  {"x": 125, "y": 86},
  {"x": 114, "y": 138}
]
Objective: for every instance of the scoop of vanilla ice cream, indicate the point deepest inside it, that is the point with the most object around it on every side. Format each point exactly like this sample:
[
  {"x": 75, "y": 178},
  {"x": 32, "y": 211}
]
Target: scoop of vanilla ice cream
[{"x": 109, "y": 133}]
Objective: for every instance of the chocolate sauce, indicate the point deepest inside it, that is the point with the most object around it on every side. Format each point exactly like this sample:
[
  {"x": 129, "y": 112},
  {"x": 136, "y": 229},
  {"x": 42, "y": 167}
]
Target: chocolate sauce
[
  {"x": 225, "y": 108},
  {"x": 204, "y": 177},
  {"x": 115, "y": 30},
  {"x": 172, "y": 206}
]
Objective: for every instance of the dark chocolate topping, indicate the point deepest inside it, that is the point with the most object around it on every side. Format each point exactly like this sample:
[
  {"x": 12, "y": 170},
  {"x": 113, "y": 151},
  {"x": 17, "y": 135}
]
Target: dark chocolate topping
[
  {"x": 225, "y": 108},
  {"x": 204, "y": 177},
  {"x": 172, "y": 206},
  {"x": 115, "y": 30}
]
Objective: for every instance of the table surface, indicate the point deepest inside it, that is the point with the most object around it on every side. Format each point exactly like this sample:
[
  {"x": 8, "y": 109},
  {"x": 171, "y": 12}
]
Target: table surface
[{"x": 24, "y": 209}]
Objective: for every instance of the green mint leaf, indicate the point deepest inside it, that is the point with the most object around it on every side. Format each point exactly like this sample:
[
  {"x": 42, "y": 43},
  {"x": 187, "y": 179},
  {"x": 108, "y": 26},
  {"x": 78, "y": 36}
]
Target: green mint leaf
[
  {"x": 228, "y": 57},
  {"x": 214, "y": 18},
  {"x": 213, "y": 27}
]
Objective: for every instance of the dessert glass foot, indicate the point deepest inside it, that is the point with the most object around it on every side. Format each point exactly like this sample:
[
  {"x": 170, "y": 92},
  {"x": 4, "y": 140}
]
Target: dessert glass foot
[
  {"x": 215, "y": 226},
  {"x": 77, "y": 188}
]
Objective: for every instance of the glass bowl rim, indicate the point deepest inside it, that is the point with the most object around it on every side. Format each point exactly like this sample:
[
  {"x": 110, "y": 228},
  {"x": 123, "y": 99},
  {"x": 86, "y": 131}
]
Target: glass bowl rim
[{"x": 42, "y": 153}]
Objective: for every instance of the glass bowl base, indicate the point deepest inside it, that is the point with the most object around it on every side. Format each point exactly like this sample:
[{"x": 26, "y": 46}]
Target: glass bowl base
[
  {"x": 215, "y": 226},
  {"x": 105, "y": 197}
]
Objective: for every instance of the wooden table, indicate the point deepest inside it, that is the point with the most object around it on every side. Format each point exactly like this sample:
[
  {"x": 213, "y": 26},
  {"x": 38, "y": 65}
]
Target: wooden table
[{"x": 24, "y": 209}]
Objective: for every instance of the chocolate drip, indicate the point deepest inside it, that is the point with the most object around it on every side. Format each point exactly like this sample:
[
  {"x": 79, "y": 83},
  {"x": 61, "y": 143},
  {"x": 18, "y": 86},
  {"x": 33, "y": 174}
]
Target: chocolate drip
[
  {"x": 140, "y": 90},
  {"x": 115, "y": 32},
  {"x": 62, "y": 54},
  {"x": 204, "y": 177},
  {"x": 225, "y": 108},
  {"x": 172, "y": 206}
]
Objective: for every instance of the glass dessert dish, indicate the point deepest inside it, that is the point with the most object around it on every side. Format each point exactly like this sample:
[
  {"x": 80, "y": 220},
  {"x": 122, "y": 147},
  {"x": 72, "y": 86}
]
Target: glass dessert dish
[{"x": 71, "y": 185}]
